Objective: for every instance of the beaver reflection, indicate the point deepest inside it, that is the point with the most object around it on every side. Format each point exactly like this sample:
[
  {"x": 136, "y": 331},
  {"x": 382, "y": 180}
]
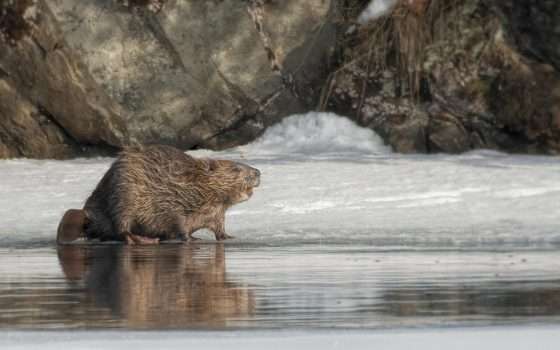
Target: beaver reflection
[{"x": 170, "y": 286}]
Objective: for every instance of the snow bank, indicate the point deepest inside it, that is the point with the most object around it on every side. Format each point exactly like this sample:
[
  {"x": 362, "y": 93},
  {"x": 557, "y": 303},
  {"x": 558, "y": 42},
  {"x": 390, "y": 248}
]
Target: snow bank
[{"x": 317, "y": 133}]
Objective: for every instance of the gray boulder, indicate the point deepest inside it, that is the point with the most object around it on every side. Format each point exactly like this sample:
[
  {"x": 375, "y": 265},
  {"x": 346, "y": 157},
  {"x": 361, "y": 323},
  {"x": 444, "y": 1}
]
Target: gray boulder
[
  {"x": 202, "y": 73},
  {"x": 96, "y": 75}
]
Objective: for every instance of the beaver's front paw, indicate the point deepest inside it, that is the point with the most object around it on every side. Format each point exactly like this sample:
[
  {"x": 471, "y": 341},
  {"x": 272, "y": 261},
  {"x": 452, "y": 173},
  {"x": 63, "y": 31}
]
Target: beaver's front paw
[{"x": 223, "y": 236}]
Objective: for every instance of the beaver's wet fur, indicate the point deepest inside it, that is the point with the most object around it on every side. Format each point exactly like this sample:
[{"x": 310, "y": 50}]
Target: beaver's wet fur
[{"x": 154, "y": 193}]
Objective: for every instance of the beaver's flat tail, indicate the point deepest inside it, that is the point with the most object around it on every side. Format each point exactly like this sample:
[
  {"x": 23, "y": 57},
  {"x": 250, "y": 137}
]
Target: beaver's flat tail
[{"x": 72, "y": 226}]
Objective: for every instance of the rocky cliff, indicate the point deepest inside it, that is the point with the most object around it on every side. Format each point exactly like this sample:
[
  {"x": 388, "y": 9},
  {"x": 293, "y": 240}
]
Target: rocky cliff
[
  {"x": 455, "y": 75},
  {"x": 99, "y": 74},
  {"x": 90, "y": 76}
]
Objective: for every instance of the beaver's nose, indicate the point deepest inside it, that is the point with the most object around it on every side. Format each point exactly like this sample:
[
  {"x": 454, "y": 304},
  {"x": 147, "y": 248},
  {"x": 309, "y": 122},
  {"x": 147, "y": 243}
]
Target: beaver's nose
[{"x": 257, "y": 176}]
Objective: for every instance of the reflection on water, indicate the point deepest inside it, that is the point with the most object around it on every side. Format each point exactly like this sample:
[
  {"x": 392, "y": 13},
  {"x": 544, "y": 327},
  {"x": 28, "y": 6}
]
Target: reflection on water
[
  {"x": 137, "y": 287},
  {"x": 178, "y": 286},
  {"x": 192, "y": 287}
]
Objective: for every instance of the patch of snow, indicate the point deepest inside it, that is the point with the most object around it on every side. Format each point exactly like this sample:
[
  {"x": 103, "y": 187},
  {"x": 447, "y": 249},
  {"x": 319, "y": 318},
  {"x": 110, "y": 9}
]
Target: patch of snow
[
  {"x": 317, "y": 133},
  {"x": 375, "y": 10},
  {"x": 31, "y": 12}
]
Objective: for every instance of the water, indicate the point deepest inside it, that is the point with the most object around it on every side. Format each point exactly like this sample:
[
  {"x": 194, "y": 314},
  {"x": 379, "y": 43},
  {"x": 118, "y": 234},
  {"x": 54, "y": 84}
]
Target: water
[
  {"x": 342, "y": 234},
  {"x": 236, "y": 286}
]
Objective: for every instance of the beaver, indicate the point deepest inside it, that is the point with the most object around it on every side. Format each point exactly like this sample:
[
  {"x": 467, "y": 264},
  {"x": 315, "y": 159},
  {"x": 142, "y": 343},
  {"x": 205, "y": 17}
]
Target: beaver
[{"x": 153, "y": 193}]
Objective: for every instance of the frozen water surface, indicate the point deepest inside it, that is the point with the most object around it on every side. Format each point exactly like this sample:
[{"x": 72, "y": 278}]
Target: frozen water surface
[
  {"x": 450, "y": 339},
  {"x": 342, "y": 234},
  {"x": 324, "y": 180}
]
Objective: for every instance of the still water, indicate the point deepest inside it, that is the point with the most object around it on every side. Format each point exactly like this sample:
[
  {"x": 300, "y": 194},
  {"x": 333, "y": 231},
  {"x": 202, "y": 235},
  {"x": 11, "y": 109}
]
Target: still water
[{"x": 253, "y": 286}]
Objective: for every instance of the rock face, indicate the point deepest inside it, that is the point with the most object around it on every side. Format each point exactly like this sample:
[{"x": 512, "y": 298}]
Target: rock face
[
  {"x": 26, "y": 131},
  {"x": 450, "y": 76},
  {"x": 202, "y": 73},
  {"x": 534, "y": 27},
  {"x": 430, "y": 76},
  {"x": 104, "y": 73}
]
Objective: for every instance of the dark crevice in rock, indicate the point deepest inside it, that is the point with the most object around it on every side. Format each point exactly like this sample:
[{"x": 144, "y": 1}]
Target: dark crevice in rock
[
  {"x": 53, "y": 120},
  {"x": 246, "y": 121},
  {"x": 82, "y": 149},
  {"x": 268, "y": 100},
  {"x": 3, "y": 73},
  {"x": 241, "y": 128}
]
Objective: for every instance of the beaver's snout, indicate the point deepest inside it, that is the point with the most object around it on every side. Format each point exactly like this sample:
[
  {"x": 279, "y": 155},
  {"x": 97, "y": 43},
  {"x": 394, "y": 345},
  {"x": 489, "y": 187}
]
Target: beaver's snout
[{"x": 255, "y": 178}]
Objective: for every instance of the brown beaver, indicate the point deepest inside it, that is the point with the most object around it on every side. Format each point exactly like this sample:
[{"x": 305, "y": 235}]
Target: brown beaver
[{"x": 154, "y": 193}]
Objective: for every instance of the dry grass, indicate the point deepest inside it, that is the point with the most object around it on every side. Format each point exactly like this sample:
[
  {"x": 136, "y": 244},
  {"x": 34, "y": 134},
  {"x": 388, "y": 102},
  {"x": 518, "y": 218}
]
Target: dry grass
[{"x": 398, "y": 39}]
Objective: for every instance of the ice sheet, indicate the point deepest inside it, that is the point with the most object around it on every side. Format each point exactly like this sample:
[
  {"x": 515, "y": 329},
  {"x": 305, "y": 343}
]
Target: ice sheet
[
  {"x": 326, "y": 180},
  {"x": 450, "y": 339}
]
